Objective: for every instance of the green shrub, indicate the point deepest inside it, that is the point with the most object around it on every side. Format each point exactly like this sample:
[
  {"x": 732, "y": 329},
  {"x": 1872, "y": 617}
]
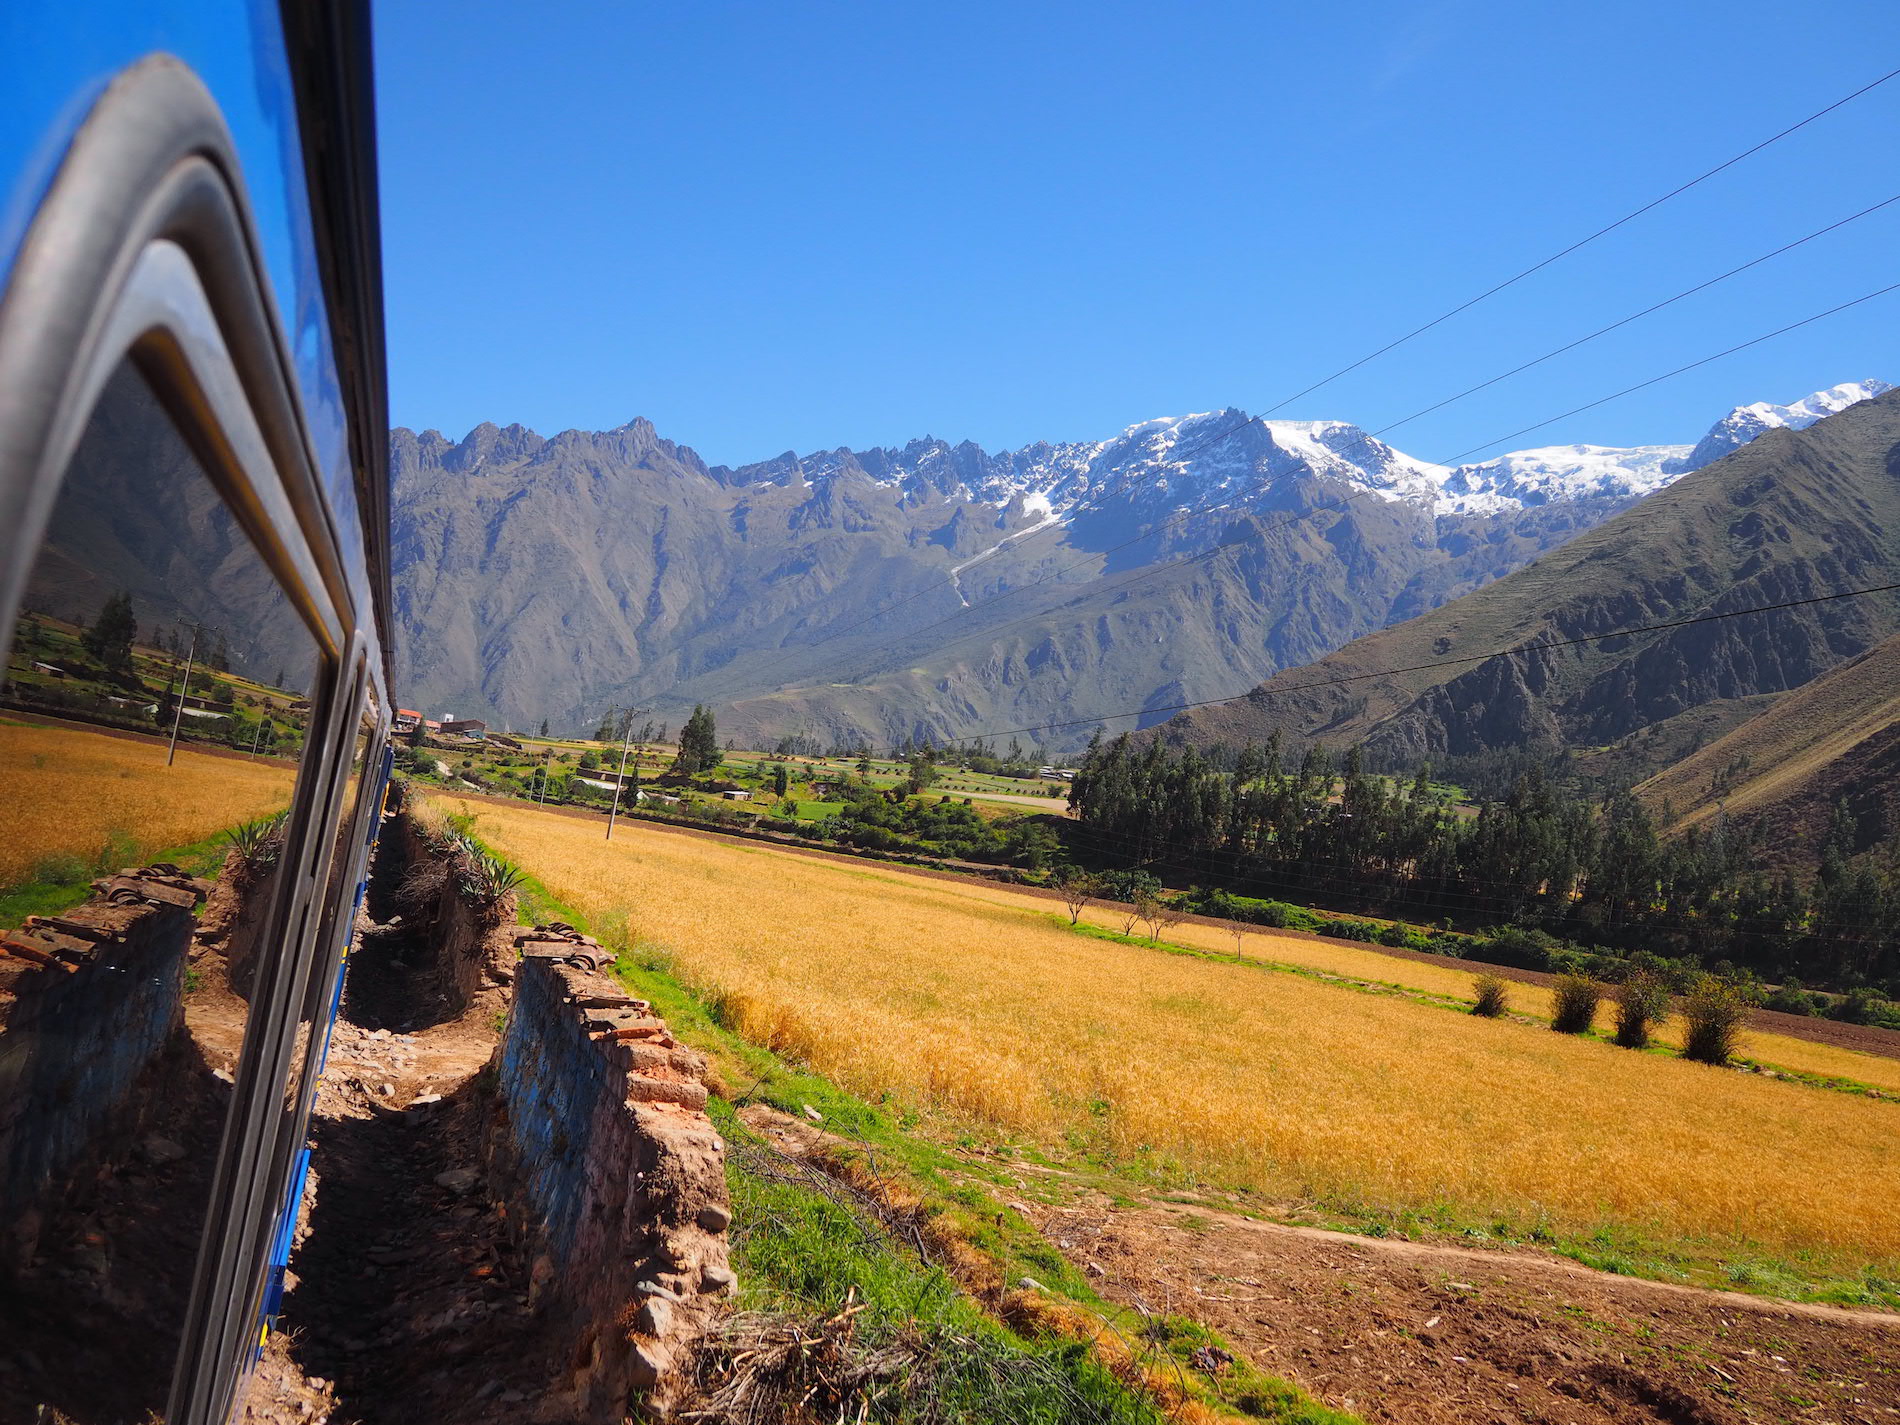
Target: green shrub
[
  {"x": 1574, "y": 1004},
  {"x": 1793, "y": 998},
  {"x": 1863, "y": 1006},
  {"x": 1521, "y": 949},
  {"x": 1493, "y": 996},
  {"x": 1361, "y": 930},
  {"x": 61, "y": 869},
  {"x": 1714, "y": 1012},
  {"x": 1277, "y": 915},
  {"x": 118, "y": 850},
  {"x": 1642, "y": 1000},
  {"x": 258, "y": 843},
  {"x": 1400, "y": 936}
]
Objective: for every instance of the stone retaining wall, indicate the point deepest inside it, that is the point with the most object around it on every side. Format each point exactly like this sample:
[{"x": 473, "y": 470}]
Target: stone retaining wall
[
  {"x": 468, "y": 940},
  {"x": 88, "y": 1000},
  {"x": 601, "y": 1133}
]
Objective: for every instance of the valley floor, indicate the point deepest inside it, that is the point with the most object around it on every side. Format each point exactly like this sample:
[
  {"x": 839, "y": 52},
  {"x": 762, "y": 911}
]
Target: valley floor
[{"x": 1085, "y": 1079}]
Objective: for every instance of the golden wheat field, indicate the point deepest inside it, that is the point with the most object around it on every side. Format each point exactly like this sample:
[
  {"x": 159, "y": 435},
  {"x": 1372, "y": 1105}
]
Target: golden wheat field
[
  {"x": 1335, "y": 958},
  {"x": 68, "y": 792},
  {"x": 973, "y": 1000}
]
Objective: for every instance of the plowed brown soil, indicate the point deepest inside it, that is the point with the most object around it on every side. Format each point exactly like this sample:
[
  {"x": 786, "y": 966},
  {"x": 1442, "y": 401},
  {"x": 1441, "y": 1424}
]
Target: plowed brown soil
[{"x": 1434, "y": 1335}]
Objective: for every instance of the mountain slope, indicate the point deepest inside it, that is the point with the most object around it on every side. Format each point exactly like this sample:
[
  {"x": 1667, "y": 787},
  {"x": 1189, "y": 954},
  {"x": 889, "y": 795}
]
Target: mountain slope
[
  {"x": 1792, "y": 515},
  {"x": 1836, "y": 740},
  {"x": 847, "y": 594}
]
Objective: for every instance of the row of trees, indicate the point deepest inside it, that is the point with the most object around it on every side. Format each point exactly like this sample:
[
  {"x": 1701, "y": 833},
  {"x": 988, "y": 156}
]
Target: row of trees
[{"x": 1599, "y": 873}]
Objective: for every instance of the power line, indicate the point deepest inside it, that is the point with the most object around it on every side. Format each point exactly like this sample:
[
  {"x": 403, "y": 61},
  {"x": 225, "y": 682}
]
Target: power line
[
  {"x": 1627, "y": 390},
  {"x": 1340, "y": 504},
  {"x": 1222, "y": 435},
  {"x": 1583, "y": 242},
  {"x": 1541, "y": 646},
  {"x": 1636, "y": 316},
  {"x": 1369, "y": 438}
]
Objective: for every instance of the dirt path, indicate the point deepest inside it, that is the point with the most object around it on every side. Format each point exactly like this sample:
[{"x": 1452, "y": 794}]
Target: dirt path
[
  {"x": 407, "y": 1301},
  {"x": 1442, "y": 1335}
]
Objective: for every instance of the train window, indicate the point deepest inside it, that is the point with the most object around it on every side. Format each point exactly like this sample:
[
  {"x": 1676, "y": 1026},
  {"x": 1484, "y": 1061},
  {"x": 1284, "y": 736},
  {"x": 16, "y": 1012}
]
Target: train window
[
  {"x": 346, "y": 862},
  {"x": 153, "y": 721}
]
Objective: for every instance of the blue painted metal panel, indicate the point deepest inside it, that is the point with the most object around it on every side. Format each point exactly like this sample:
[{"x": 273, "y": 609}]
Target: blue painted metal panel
[{"x": 55, "y": 61}]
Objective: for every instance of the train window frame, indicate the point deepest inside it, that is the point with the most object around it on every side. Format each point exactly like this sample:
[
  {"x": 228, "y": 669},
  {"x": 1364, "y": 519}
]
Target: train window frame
[{"x": 143, "y": 249}]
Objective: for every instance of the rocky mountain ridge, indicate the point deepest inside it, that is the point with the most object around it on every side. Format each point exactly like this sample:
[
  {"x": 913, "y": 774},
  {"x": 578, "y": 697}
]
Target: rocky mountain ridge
[
  {"x": 551, "y": 576},
  {"x": 1798, "y": 515}
]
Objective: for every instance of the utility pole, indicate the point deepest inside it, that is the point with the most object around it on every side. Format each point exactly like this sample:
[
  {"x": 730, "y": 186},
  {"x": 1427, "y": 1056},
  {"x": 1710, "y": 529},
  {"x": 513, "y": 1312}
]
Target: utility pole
[
  {"x": 178, "y": 704},
  {"x": 626, "y": 746}
]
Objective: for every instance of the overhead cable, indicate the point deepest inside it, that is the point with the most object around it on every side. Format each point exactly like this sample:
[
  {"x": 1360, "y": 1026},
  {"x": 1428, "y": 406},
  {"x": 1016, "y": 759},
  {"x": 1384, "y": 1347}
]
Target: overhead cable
[
  {"x": 1221, "y": 435},
  {"x": 1333, "y": 506}
]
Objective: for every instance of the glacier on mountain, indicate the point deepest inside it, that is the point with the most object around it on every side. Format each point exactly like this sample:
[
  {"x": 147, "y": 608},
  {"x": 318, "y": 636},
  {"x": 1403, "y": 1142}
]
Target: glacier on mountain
[{"x": 1176, "y": 463}]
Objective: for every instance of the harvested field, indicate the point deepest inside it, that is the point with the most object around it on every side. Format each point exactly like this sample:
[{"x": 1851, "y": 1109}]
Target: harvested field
[
  {"x": 73, "y": 792},
  {"x": 971, "y": 1000},
  {"x": 1404, "y": 1333}
]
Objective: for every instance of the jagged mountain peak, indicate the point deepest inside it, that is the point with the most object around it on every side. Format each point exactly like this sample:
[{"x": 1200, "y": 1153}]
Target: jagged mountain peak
[
  {"x": 1744, "y": 423},
  {"x": 1167, "y": 461}
]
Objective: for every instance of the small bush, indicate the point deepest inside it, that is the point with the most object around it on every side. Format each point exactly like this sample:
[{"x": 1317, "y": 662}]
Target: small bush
[
  {"x": 1493, "y": 996},
  {"x": 1792, "y": 997},
  {"x": 1400, "y": 936},
  {"x": 1363, "y": 931},
  {"x": 1276, "y": 914},
  {"x": 1519, "y": 948},
  {"x": 120, "y": 849},
  {"x": 1642, "y": 1000},
  {"x": 61, "y": 869},
  {"x": 1714, "y": 1012},
  {"x": 1574, "y": 1006},
  {"x": 1863, "y": 1006},
  {"x": 258, "y": 844}
]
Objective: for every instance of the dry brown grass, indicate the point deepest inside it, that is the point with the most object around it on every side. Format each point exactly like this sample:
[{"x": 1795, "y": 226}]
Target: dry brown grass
[
  {"x": 68, "y": 792},
  {"x": 977, "y": 1003}
]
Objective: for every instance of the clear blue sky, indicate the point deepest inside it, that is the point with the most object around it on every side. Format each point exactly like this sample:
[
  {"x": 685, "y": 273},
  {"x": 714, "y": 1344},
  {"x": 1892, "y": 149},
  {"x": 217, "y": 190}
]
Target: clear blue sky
[{"x": 772, "y": 226}]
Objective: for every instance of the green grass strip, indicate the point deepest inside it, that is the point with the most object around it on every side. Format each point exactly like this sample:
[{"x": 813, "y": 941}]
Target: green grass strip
[{"x": 797, "y": 1247}]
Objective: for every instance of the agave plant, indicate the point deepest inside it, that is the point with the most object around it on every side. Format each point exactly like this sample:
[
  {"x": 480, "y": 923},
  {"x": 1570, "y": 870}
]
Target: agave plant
[
  {"x": 502, "y": 876},
  {"x": 484, "y": 876},
  {"x": 258, "y": 842}
]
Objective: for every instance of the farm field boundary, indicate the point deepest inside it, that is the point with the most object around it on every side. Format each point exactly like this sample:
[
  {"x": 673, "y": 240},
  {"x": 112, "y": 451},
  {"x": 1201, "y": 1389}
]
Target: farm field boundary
[
  {"x": 1859, "y": 1038},
  {"x": 149, "y": 739}
]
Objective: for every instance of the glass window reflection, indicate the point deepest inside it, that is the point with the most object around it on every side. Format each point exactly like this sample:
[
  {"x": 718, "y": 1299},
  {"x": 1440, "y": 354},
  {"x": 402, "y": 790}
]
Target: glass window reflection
[{"x": 157, "y": 701}]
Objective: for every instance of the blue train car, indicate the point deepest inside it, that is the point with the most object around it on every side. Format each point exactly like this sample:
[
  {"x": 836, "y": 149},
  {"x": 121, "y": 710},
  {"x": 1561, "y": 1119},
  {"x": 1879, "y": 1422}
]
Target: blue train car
[{"x": 193, "y": 605}]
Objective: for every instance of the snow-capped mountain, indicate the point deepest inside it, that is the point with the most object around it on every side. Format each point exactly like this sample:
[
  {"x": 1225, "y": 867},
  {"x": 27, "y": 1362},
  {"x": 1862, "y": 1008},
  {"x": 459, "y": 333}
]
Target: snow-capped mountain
[
  {"x": 1560, "y": 472},
  {"x": 1744, "y": 423},
  {"x": 1201, "y": 460},
  {"x": 1181, "y": 557}
]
